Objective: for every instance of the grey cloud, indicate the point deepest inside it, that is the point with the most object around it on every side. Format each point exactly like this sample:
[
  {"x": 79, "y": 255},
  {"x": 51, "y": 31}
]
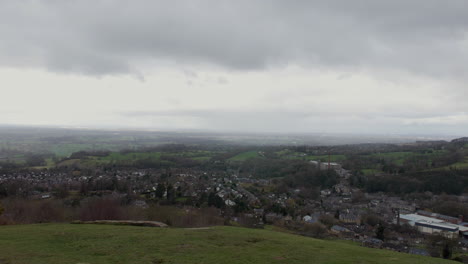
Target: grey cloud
[
  {"x": 303, "y": 121},
  {"x": 427, "y": 37},
  {"x": 222, "y": 80},
  {"x": 296, "y": 115}
]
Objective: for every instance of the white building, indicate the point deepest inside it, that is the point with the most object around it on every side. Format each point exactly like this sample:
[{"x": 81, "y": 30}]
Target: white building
[
  {"x": 326, "y": 165},
  {"x": 429, "y": 225}
]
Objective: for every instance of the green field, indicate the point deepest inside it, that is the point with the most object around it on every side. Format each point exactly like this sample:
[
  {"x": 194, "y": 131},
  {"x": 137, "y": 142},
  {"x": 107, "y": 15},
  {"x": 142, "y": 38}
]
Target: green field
[
  {"x": 324, "y": 158},
  {"x": 245, "y": 156},
  {"x": 288, "y": 154},
  {"x": 132, "y": 157},
  {"x": 68, "y": 243},
  {"x": 66, "y": 149},
  {"x": 396, "y": 157},
  {"x": 399, "y": 158},
  {"x": 370, "y": 171},
  {"x": 458, "y": 165}
]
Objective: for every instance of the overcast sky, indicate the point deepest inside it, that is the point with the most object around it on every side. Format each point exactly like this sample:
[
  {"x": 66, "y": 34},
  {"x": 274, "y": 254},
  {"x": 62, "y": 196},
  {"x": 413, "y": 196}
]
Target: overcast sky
[{"x": 362, "y": 66}]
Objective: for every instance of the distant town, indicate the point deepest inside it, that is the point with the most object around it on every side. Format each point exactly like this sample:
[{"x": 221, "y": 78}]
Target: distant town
[{"x": 409, "y": 197}]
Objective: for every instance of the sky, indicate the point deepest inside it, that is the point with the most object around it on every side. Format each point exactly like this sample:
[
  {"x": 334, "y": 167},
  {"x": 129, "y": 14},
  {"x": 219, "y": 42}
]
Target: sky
[{"x": 363, "y": 66}]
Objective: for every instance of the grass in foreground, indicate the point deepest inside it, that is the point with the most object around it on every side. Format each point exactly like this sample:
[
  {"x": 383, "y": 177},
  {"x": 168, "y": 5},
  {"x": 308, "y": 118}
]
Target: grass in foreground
[{"x": 66, "y": 243}]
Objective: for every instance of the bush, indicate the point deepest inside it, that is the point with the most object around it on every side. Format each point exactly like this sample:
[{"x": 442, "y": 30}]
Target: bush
[
  {"x": 23, "y": 211},
  {"x": 327, "y": 220},
  {"x": 371, "y": 219},
  {"x": 101, "y": 209},
  {"x": 316, "y": 230},
  {"x": 440, "y": 246}
]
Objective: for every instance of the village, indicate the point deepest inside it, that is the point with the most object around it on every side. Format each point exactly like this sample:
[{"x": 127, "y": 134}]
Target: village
[{"x": 341, "y": 212}]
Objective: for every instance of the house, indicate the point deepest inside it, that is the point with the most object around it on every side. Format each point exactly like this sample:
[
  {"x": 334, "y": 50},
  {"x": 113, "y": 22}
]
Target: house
[
  {"x": 419, "y": 251},
  {"x": 311, "y": 218},
  {"x": 336, "y": 229},
  {"x": 372, "y": 243},
  {"x": 229, "y": 202},
  {"x": 46, "y": 196},
  {"x": 141, "y": 204},
  {"x": 259, "y": 212},
  {"x": 350, "y": 218},
  {"x": 307, "y": 218}
]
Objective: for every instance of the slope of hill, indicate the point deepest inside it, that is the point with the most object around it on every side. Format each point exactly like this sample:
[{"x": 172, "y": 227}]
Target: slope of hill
[{"x": 67, "y": 243}]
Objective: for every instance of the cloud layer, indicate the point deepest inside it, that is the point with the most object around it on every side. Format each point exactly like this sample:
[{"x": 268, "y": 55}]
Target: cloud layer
[
  {"x": 427, "y": 37},
  {"x": 267, "y": 65}
]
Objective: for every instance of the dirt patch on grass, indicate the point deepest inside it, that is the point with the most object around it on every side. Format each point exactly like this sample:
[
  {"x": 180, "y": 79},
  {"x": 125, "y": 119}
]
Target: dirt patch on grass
[{"x": 123, "y": 222}]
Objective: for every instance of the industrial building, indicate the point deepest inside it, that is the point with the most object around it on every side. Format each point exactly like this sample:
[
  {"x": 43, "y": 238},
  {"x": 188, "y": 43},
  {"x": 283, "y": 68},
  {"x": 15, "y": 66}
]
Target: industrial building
[{"x": 430, "y": 225}]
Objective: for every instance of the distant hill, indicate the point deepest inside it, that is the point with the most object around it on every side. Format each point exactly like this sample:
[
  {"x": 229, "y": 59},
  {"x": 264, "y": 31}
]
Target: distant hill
[
  {"x": 460, "y": 140},
  {"x": 67, "y": 243}
]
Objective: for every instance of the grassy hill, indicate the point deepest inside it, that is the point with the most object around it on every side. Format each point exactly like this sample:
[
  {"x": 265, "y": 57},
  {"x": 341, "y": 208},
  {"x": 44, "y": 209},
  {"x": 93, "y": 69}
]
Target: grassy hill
[{"x": 68, "y": 243}]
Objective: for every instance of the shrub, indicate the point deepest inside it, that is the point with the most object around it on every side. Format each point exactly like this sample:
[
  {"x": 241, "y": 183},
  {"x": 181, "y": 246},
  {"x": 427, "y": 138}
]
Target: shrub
[
  {"x": 105, "y": 208},
  {"x": 22, "y": 211},
  {"x": 316, "y": 230},
  {"x": 327, "y": 220},
  {"x": 371, "y": 219}
]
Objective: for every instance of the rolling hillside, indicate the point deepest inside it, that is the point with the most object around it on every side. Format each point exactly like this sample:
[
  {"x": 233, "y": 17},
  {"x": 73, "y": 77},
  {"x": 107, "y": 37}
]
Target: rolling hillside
[{"x": 67, "y": 243}]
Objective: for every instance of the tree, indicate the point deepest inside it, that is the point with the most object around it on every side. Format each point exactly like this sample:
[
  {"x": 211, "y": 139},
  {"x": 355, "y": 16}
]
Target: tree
[
  {"x": 215, "y": 200},
  {"x": 106, "y": 208},
  {"x": 171, "y": 193},
  {"x": 379, "y": 233},
  {"x": 241, "y": 206},
  {"x": 202, "y": 200},
  {"x": 316, "y": 230},
  {"x": 61, "y": 191},
  {"x": 447, "y": 251},
  {"x": 337, "y": 214},
  {"x": 160, "y": 190},
  {"x": 440, "y": 246},
  {"x": 1, "y": 209},
  {"x": 371, "y": 219},
  {"x": 327, "y": 220}
]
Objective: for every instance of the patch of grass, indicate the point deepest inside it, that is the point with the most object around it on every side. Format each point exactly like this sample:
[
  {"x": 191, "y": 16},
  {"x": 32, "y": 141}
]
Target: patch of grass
[
  {"x": 132, "y": 156},
  {"x": 459, "y": 165},
  {"x": 245, "y": 156},
  {"x": 370, "y": 171},
  {"x": 66, "y": 243},
  {"x": 324, "y": 158},
  {"x": 201, "y": 158},
  {"x": 69, "y": 162},
  {"x": 153, "y": 156},
  {"x": 396, "y": 157},
  {"x": 66, "y": 149},
  {"x": 399, "y": 158},
  {"x": 287, "y": 154}
]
